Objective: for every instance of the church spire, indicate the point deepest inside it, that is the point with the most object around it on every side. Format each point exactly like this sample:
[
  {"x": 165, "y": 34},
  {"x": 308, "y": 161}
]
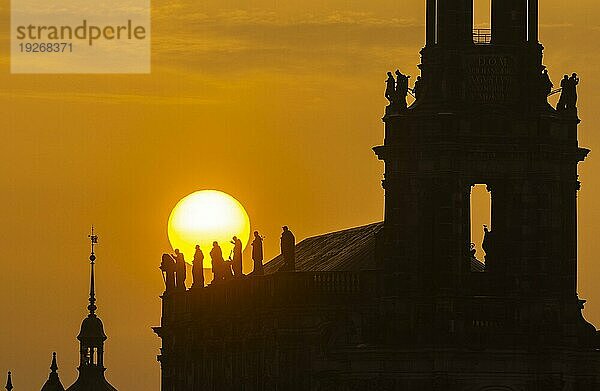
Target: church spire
[
  {"x": 92, "y": 335},
  {"x": 53, "y": 383},
  {"x": 91, "y": 340},
  {"x": 9, "y": 385},
  {"x": 53, "y": 366}
]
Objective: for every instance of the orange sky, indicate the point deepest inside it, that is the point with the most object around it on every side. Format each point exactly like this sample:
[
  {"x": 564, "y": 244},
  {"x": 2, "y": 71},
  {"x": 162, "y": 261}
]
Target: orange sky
[{"x": 276, "y": 102}]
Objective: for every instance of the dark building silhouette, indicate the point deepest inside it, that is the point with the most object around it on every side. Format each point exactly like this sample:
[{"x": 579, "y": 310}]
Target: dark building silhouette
[
  {"x": 91, "y": 343},
  {"x": 404, "y": 304},
  {"x": 91, "y": 340}
]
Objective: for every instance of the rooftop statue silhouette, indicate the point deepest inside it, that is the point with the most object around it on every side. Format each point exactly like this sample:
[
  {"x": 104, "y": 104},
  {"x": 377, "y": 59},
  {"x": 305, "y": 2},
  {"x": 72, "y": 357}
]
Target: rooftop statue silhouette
[
  {"x": 472, "y": 251},
  {"x": 227, "y": 269},
  {"x": 91, "y": 342},
  {"x": 288, "y": 249},
  {"x": 402, "y": 89},
  {"x": 167, "y": 266},
  {"x": 562, "y": 101},
  {"x": 53, "y": 383},
  {"x": 198, "y": 269},
  {"x": 546, "y": 85},
  {"x": 257, "y": 254},
  {"x": 180, "y": 270},
  {"x": 396, "y": 90},
  {"x": 390, "y": 89},
  {"x": 236, "y": 263},
  {"x": 418, "y": 88},
  {"x": 572, "y": 92},
  {"x": 217, "y": 262},
  {"x": 568, "y": 96},
  {"x": 488, "y": 244}
]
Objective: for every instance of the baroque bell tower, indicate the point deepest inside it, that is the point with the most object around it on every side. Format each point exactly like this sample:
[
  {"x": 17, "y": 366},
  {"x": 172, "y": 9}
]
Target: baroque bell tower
[
  {"x": 91, "y": 341},
  {"x": 482, "y": 116}
]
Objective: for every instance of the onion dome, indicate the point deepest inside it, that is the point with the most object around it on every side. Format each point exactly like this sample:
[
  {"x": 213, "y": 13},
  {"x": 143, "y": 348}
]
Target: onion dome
[{"x": 92, "y": 330}]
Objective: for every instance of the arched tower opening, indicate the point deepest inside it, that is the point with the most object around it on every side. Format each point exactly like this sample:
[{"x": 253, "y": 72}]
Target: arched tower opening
[
  {"x": 482, "y": 21},
  {"x": 482, "y": 14},
  {"x": 480, "y": 218}
]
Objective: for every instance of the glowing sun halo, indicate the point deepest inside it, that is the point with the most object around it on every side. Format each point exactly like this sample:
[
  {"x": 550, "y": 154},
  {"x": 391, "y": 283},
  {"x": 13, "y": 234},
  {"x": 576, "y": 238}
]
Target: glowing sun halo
[{"x": 206, "y": 216}]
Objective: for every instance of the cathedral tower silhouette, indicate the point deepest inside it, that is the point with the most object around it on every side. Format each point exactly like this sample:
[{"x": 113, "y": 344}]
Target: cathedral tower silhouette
[
  {"x": 483, "y": 118},
  {"x": 407, "y": 304}
]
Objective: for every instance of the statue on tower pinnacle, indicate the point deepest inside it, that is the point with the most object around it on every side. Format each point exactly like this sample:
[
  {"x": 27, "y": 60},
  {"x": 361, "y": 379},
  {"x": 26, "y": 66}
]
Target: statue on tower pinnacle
[{"x": 397, "y": 90}]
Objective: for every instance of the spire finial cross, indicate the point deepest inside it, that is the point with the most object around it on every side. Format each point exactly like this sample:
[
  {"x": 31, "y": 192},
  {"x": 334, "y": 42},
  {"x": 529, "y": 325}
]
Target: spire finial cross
[{"x": 94, "y": 241}]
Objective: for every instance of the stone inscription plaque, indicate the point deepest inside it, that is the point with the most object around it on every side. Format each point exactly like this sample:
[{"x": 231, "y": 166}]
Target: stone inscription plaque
[{"x": 490, "y": 79}]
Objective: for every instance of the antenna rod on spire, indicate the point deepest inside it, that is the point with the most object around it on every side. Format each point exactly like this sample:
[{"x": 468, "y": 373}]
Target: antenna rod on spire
[{"x": 94, "y": 240}]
